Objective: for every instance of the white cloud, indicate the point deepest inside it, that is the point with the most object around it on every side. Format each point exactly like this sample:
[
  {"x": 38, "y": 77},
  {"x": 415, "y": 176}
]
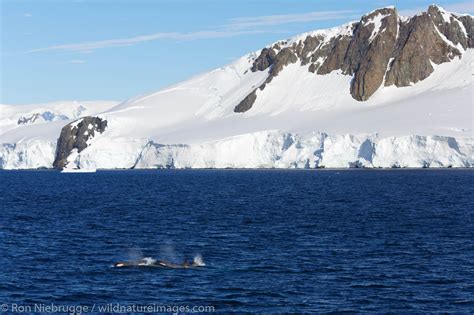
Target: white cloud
[
  {"x": 76, "y": 61},
  {"x": 87, "y": 47},
  {"x": 235, "y": 27},
  {"x": 27, "y": 15},
  {"x": 271, "y": 20}
]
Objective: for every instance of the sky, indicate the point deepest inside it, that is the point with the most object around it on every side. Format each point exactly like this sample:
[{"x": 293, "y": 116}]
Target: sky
[{"x": 53, "y": 50}]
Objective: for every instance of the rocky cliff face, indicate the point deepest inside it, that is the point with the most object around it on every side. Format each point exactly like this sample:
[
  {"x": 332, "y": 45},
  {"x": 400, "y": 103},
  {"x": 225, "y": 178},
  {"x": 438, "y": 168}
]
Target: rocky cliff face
[
  {"x": 382, "y": 49},
  {"x": 76, "y": 136}
]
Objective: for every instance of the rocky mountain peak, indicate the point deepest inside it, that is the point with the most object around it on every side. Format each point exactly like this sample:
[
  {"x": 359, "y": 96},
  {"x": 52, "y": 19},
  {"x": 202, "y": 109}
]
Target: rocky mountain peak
[{"x": 381, "y": 49}]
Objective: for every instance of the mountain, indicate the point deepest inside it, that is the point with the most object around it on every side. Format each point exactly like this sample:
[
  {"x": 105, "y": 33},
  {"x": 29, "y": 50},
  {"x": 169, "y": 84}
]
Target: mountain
[{"x": 386, "y": 91}]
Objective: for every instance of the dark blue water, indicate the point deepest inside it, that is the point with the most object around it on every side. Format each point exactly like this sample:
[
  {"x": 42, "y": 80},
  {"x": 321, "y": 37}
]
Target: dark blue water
[{"x": 397, "y": 241}]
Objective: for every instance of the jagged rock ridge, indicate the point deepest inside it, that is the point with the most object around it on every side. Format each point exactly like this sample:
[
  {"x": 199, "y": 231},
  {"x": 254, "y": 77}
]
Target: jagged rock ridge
[{"x": 382, "y": 49}]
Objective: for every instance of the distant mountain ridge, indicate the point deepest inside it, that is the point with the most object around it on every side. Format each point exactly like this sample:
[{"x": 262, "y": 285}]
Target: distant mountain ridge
[{"x": 17, "y": 116}]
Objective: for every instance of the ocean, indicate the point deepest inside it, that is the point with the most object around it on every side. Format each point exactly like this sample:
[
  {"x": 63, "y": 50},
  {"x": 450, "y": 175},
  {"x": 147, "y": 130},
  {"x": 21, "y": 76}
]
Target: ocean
[{"x": 273, "y": 241}]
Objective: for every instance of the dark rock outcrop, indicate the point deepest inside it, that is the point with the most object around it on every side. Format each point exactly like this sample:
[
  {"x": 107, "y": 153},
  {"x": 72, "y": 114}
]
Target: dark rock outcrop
[
  {"x": 246, "y": 103},
  {"x": 418, "y": 45},
  {"x": 282, "y": 59},
  {"x": 451, "y": 29},
  {"x": 265, "y": 60},
  {"x": 307, "y": 47},
  {"x": 369, "y": 52},
  {"x": 334, "y": 54},
  {"x": 380, "y": 49},
  {"x": 468, "y": 23},
  {"x": 75, "y": 136},
  {"x": 28, "y": 120}
]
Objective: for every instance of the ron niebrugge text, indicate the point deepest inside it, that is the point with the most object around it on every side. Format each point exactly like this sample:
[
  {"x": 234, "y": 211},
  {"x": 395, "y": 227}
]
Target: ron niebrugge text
[{"x": 106, "y": 308}]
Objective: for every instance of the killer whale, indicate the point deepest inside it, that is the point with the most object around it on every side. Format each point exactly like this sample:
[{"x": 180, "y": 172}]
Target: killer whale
[{"x": 149, "y": 262}]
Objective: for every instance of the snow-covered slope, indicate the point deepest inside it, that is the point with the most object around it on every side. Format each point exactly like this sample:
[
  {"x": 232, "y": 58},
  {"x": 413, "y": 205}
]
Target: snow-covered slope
[
  {"x": 298, "y": 117},
  {"x": 202, "y": 108},
  {"x": 28, "y": 133}
]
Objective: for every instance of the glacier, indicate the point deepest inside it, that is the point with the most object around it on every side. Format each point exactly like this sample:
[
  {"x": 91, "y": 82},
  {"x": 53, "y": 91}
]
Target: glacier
[
  {"x": 31, "y": 154},
  {"x": 266, "y": 149},
  {"x": 276, "y": 149}
]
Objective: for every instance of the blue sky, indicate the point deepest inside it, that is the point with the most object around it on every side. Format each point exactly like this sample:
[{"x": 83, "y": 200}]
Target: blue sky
[{"x": 116, "y": 49}]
